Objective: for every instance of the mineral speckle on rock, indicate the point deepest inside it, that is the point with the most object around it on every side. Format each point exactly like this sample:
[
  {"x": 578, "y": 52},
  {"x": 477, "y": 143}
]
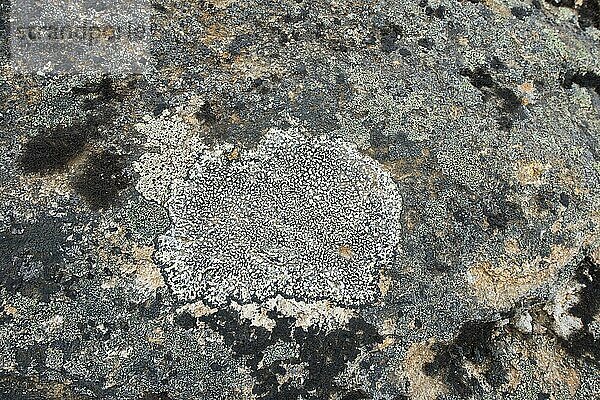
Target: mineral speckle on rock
[{"x": 301, "y": 200}]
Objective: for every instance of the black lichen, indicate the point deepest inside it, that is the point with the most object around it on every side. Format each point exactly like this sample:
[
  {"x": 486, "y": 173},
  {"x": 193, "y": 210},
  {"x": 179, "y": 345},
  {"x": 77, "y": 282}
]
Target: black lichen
[
  {"x": 97, "y": 94},
  {"x": 241, "y": 42},
  {"x": 103, "y": 178},
  {"x": 589, "y": 14},
  {"x": 159, "y": 7},
  {"x": 324, "y": 354},
  {"x": 564, "y": 199},
  {"x": 587, "y": 79},
  {"x": 33, "y": 357},
  {"x": 426, "y": 43},
  {"x": 583, "y": 343},
  {"x": 438, "y": 12},
  {"x": 479, "y": 78},
  {"x": 356, "y": 395},
  {"x": 159, "y": 108},
  {"x": 328, "y": 354},
  {"x": 510, "y": 105},
  {"x": 500, "y": 212},
  {"x": 474, "y": 344},
  {"x": 5, "y": 317},
  {"x": 4, "y": 27},
  {"x": 186, "y": 320},
  {"x": 497, "y": 64},
  {"x": 389, "y": 35},
  {"x": 51, "y": 150},
  {"x": 588, "y": 11},
  {"x": 206, "y": 114},
  {"x": 521, "y": 12}
]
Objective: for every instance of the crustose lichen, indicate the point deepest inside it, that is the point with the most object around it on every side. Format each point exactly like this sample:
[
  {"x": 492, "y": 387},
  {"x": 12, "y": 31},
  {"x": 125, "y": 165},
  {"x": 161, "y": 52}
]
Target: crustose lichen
[{"x": 305, "y": 218}]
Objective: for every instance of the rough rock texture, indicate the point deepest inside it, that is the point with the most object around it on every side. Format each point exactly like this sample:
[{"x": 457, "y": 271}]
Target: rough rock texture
[{"x": 382, "y": 200}]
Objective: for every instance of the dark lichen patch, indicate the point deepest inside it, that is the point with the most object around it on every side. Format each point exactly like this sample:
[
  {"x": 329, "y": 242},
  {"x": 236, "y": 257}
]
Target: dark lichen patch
[
  {"x": 583, "y": 343},
  {"x": 438, "y": 12},
  {"x": 206, "y": 114},
  {"x": 521, "y": 12},
  {"x": 587, "y": 79},
  {"x": 51, "y": 150},
  {"x": 186, "y": 320},
  {"x": 4, "y": 23},
  {"x": 104, "y": 89},
  {"x": 479, "y": 78},
  {"x": 548, "y": 200},
  {"x": 497, "y": 64},
  {"x": 564, "y": 199},
  {"x": 102, "y": 180},
  {"x": 4, "y": 28},
  {"x": 389, "y": 35},
  {"x": 240, "y": 43},
  {"x": 426, "y": 43},
  {"x": 511, "y": 103},
  {"x": 5, "y": 317},
  {"x": 588, "y": 11},
  {"x": 404, "y": 52},
  {"x": 149, "y": 308},
  {"x": 499, "y": 212},
  {"x": 589, "y": 14},
  {"x": 327, "y": 354},
  {"x": 232, "y": 123},
  {"x": 323, "y": 355},
  {"x": 159, "y": 108},
  {"x": 31, "y": 357},
  {"x": 159, "y": 7},
  {"x": 31, "y": 259},
  {"x": 97, "y": 94},
  {"x": 510, "y": 106},
  {"x": 475, "y": 345}
]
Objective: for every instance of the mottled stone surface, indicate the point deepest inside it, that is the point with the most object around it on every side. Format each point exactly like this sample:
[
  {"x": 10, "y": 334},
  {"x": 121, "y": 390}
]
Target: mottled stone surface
[{"x": 318, "y": 200}]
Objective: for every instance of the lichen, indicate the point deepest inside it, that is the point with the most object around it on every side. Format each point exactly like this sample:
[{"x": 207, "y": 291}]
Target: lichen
[{"x": 308, "y": 218}]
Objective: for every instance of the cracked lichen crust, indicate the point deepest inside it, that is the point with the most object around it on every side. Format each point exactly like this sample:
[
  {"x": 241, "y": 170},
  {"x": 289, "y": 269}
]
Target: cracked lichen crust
[{"x": 307, "y": 218}]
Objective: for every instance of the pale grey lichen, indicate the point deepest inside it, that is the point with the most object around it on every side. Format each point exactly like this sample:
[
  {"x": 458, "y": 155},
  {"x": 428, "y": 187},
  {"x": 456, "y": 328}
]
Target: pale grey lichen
[
  {"x": 310, "y": 218},
  {"x": 171, "y": 145}
]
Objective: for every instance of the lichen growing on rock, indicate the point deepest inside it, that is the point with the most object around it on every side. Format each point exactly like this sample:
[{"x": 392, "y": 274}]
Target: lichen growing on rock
[
  {"x": 308, "y": 218},
  {"x": 319, "y": 200}
]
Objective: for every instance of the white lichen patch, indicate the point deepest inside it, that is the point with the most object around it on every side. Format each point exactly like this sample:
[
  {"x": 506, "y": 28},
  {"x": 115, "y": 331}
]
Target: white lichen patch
[
  {"x": 564, "y": 323},
  {"x": 322, "y": 314},
  {"x": 308, "y": 218},
  {"x": 171, "y": 145}
]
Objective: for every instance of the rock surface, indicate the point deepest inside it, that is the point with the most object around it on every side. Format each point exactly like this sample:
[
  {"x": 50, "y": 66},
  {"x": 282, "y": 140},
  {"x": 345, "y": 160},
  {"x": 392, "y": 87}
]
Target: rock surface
[{"x": 319, "y": 200}]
